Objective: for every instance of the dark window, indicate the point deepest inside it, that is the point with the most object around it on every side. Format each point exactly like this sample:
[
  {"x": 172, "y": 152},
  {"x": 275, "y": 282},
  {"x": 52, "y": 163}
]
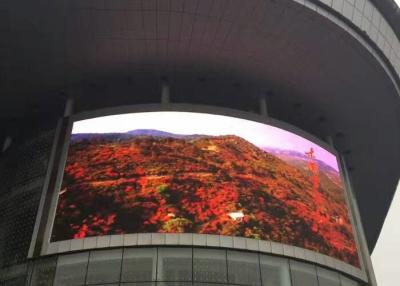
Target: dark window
[
  {"x": 303, "y": 274},
  {"x": 138, "y": 284},
  {"x": 177, "y": 283},
  {"x": 347, "y": 282},
  {"x": 274, "y": 271},
  {"x": 139, "y": 264},
  {"x": 243, "y": 268},
  {"x": 104, "y": 266},
  {"x": 71, "y": 269},
  {"x": 327, "y": 277},
  {"x": 209, "y": 265},
  {"x": 174, "y": 264}
]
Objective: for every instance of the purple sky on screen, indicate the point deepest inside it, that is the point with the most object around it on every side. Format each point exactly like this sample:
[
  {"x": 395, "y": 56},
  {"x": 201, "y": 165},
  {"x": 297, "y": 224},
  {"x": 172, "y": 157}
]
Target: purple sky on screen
[{"x": 188, "y": 123}]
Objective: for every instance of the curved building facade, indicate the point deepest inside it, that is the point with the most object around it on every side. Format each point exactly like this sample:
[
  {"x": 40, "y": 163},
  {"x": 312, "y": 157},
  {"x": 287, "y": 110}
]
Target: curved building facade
[{"x": 185, "y": 142}]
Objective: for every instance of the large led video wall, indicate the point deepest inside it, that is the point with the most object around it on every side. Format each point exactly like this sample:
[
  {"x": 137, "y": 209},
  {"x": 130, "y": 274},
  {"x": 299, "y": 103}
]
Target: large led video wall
[{"x": 182, "y": 172}]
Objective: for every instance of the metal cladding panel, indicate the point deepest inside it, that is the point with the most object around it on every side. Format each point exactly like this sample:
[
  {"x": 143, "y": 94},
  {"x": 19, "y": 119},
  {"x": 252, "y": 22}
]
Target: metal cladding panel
[{"x": 22, "y": 173}]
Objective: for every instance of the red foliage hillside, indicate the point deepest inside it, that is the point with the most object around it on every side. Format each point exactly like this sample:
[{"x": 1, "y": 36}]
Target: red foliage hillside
[{"x": 216, "y": 185}]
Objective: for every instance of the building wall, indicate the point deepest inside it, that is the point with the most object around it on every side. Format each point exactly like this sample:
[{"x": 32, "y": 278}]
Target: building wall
[
  {"x": 23, "y": 170},
  {"x": 22, "y": 173},
  {"x": 364, "y": 15},
  {"x": 169, "y": 266}
]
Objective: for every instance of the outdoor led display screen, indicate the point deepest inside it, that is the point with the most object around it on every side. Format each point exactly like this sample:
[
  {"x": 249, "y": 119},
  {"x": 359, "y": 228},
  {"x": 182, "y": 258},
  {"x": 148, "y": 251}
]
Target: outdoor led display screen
[{"x": 185, "y": 172}]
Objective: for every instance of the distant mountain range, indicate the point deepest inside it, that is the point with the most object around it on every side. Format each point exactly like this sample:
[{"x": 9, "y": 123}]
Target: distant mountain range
[
  {"x": 162, "y": 134},
  {"x": 295, "y": 155},
  {"x": 300, "y": 160},
  {"x": 79, "y": 137},
  {"x": 289, "y": 156}
]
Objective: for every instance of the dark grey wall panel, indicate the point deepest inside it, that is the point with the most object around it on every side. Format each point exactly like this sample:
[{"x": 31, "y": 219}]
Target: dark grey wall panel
[{"x": 22, "y": 172}]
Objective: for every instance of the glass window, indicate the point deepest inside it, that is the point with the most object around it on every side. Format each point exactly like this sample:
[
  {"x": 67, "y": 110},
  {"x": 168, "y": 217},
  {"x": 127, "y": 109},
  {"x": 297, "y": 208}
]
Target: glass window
[
  {"x": 327, "y": 277},
  {"x": 138, "y": 284},
  {"x": 303, "y": 274},
  {"x": 348, "y": 282},
  {"x": 139, "y": 264},
  {"x": 43, "y": 272},
  {"x": 243, "y": 268},
  {"x": 108, "y": 284},
  {"x": 274, "y": 271},
  {"x": 209, "y": 265},
  {"x": 176, "y": 283},
  {"x": 71, "y": 269},
  {"x": 209, "y": 284},
  {"x": 104, "y": 266},
  {"x": 174, "y": 264}
]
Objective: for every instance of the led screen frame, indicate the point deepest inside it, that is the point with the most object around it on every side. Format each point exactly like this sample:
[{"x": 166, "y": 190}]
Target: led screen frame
[{"x": 65, "y": 246}]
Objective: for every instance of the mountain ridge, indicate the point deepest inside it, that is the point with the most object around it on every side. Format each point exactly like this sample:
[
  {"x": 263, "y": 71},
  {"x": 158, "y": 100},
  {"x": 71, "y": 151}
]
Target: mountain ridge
[{"x": 134, "y": 133}]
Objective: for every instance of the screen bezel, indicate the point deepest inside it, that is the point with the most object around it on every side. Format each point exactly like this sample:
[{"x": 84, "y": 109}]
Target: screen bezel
[{"x": 327, "y": 261}]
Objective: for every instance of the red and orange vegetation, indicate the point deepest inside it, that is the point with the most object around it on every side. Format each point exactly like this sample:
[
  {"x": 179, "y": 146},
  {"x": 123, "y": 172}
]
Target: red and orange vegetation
[{"x": 201, "y": 184}]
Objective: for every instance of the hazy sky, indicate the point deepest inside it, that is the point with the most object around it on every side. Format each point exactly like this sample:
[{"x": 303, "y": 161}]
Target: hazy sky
[
  {"x": 187, "y": 123},
  {"x": 385, "y": 257}
]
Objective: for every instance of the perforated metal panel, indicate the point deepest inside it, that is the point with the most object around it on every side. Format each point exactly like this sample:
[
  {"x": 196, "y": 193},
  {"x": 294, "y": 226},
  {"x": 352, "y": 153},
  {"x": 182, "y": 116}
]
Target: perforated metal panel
[
  {"x": 22, "y": 173},
  {"x": 24, "y": 164}
]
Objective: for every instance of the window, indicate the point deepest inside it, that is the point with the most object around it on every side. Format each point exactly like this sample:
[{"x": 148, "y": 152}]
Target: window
[
  {"x": 327, "y": 277},
  {"x": 113, "y": 284},
  {"x": 104, "y": 266},
  {"x": 243, "y": 268},
  {"x": 176, "y": 283},
  {"x": 209, "y": 265},
  {"x": 71, "y": 269},
  {"x": 303, "y": 274},
  {"x": 139, "y": 265},
  {"x": 348, "y": 282},
  {"x": 174, "y": 264},
  {"x": 138, "y": 284},
  {"x": 274, "y": 271}
]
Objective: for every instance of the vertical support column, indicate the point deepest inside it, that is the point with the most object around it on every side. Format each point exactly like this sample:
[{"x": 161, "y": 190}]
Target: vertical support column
[
  {"x": 165, "y": 93},
  {"x": 365, "y": 256},
  {"x": 329, "y": 140},
  {"x": 263, "y": 105},
  {"x": 6, "y": 143},
  {"x": 41, "y": 230},
  {"x": 69, "y": 106}
]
